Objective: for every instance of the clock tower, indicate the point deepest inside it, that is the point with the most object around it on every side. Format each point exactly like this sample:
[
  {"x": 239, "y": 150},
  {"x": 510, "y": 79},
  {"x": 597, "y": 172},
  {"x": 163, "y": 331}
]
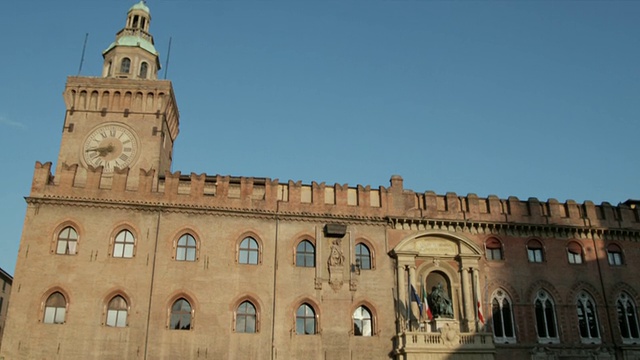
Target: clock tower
[{"x": 126, "y": 120}]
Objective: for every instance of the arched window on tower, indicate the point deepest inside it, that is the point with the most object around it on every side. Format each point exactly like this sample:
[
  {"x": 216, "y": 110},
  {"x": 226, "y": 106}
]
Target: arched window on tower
[
  {"x": 181, "y": 313},
  {"x": 363, "y": 257},
  {"x": 67, "y": 241},
  {"x": 186, "y": 248},
  {"x": 117, "y": 311},
  {"x": 574, "y": 253},
  {"x": 246, "y": 318},
  {"x": 144, "y": 68},
  {"x": 305, "y": 320},
  {"x": 362, "y": 322},
  {"x": 55, "y": 309},
  {"x": 125, "y": 65},
  {"x": 305, "y": 254}
]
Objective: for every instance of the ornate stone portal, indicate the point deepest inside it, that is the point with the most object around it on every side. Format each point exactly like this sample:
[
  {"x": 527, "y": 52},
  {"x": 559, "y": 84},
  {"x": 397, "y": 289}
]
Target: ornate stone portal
[{"x": 442, "y": 267}]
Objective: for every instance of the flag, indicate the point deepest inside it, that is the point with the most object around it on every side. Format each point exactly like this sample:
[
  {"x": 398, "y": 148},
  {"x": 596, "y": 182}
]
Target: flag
[
  {"x": 425, "y": 305},
  {"x": 480, "y": 317},
  {"x": 416, "y": 298}
]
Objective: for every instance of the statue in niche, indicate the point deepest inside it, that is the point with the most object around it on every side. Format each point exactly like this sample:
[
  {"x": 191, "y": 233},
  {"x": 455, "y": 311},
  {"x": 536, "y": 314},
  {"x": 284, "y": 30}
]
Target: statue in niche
[
  {"x": 336, "y": 258},
  {"x": 440, "y": 302}
]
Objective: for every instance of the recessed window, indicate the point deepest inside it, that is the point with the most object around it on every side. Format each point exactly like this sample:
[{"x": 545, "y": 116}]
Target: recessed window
[
  {"x": 587, "y": 318},
  {"x": 180, "y": 315},
  {"x": 124, "y": 244},
  {"x": 305, "y": 254},
  {"x": 362, "y": 322},
  {"x": 144, "y": 67},
  {"x": 246, "y": 318},
  {"x": 574, "y": 253},
  {"x": 186, "y": 248},
  {"x": 503, "y": 329},
  {"x": 125, "y": 65},
  {"x": 117, "y": 311},
  {"x": 614, "y": 255},
  {"x": 55, "y": 309},
  {"x": 494, "y": 249},
  {"x": 534, "y": 251},
  {"x": 249, "y": 251},
  {"x": 363, "y": 257},
  {"x": 545, "y": 318},
  {"x": 67, "y": 241},
  {"x": 305, "y": 320},
  {"x": 627, "y": 318}
]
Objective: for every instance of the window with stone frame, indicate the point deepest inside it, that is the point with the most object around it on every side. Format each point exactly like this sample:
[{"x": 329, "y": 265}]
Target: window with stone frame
[
  {"x": 574, "y": 253},
  {"x": 305, "y": 254},
  {"x": 502, "y": 318},
  {"x": 124, "y": 245},
  {"x": 246, "y": 318},
  {"x": 249, "y": 251},
  {"x": 181, "y": 315},
  {"x": 535, "y": 252},
  {"x": 144, "y": 68},
  {"x": 546, "y": 324},
  {"x": 587, "y": 318},
  {"x": 627, "y": 319},
  {"x": 55, "y": 309},
  {"x": 494, "y": 249},
  {"x": 186, "y": 248},
  {"x": 363, "y": 257},
  {"x": 362, "y": 322},
  {"x": 125, "y": 65},
  {"x": 305, "y": 320},
  {"x": 614, "y": 255},
  {"x": 117, "y": 312},
  {"x": 67, "y": 243}
]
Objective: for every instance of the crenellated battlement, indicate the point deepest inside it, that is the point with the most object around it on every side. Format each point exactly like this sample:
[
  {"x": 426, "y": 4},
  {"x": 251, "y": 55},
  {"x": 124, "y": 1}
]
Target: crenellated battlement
[{"x": 264, "y": 194}]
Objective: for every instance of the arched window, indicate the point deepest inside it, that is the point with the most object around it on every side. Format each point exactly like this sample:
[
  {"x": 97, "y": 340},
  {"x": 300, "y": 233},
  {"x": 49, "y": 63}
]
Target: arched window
[
  {"x": 180, "y": 315},
  {"x": 627, "y": 318},
  {"x": 305, "y": 254},
  {"x": 186, "y": 249},
  {"x": 574, "y": 253},
  {"x": 614, "y": 254},
  {"x": 534, "y": 251},
  {"x": 545, "y": 318},
  {"x": 503, "y": 329},
  {"x": 494, "y": 249},
  {"x": 363, "y": 257},
  {"x": 587, "y": 318},
  {"x": 55, "y": 309},
  {"x": 144, "y": 67},
  {"x": 67, "y": 241},
  {"x": 117, "y": 311},
  {"x": 246, "y": 318},
  {"x": 362, "y": 322},
  {"x": 249, "y": 251},
  {"x": 124, "y": 244},
  {"x": 305, "y": 320},
  {"x": 125, "y": 65}
]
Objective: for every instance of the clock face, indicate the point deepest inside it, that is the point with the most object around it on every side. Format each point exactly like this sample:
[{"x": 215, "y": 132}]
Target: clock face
[{"x": 110, "y": 146}]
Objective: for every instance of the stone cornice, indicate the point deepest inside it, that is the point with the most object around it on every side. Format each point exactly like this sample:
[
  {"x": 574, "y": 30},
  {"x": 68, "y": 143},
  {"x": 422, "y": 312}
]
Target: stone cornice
[
  {"x": 515, "y": 229},
  {"x": 200, "y": 209}
]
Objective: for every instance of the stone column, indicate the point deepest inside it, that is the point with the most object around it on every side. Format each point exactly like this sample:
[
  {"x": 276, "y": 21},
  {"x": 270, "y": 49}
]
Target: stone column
[
  {"x": 477, "y": 296},
  {"x": 402, "y": 297},
  {"x": 466, "y": 296},
  {"x": 410, "y": 303}
]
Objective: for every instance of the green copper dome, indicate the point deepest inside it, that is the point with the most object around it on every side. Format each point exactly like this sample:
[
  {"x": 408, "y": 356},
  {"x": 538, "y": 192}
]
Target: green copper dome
[{"x": 141, "y": 6}]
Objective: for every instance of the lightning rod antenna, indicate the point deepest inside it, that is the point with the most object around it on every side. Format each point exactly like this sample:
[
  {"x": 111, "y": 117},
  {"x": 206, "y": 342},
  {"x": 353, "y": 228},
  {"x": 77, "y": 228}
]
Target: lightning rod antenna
[
  {"x": 84, "y": 47},
  {"x": 166, "y": 64}
]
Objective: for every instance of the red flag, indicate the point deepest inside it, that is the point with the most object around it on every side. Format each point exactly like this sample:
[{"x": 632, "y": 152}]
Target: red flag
[
  {"x": 425, "y": 304},
  {"x": 480, "y": 317}
]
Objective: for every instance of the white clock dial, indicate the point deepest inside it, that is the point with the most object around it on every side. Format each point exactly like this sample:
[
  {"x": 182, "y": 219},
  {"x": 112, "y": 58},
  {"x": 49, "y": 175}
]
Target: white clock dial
[{"x": 111, "y": 146}]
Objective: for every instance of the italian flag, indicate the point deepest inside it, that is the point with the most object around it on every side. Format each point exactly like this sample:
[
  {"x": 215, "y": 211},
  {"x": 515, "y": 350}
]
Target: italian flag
[{"x": 425, "y": 305}]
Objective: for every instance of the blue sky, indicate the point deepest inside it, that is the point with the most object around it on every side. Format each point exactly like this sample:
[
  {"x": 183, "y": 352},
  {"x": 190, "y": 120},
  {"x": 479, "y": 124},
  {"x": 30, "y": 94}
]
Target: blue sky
[{"x": 523, "y": 98}]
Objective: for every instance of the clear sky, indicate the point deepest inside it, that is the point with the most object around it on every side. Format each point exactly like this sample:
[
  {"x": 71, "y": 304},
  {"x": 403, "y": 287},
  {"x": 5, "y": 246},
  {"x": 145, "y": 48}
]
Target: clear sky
[{"x": 512, "y": 98}]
